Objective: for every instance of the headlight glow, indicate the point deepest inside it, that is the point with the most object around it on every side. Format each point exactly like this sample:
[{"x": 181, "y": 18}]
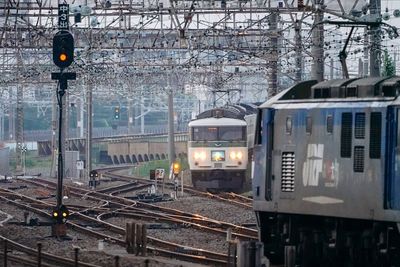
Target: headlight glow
[
  {"x": 199, "y": 155},
  {"x": 236, "y": 155}
]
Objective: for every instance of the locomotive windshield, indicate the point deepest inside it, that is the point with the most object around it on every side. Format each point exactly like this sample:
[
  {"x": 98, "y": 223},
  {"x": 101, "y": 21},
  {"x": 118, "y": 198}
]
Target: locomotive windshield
[{"x": 223, "y": 133}]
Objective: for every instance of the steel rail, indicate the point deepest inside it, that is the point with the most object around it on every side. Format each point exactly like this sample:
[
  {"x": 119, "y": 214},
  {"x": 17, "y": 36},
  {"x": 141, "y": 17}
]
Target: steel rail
[
  {"x": 241, "y": 232},
  {"x": 197, "y": 255}
]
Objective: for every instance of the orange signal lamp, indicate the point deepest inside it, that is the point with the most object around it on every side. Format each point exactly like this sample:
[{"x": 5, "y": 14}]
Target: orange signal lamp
[
  {"x": 63, "y": 57},
  {"x": 176, "y": 168}
]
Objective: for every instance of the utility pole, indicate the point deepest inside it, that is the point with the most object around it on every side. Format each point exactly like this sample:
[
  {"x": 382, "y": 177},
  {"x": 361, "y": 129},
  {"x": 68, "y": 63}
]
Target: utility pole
[
  {"x": 171, "y": 136},
  {"x": 317, "y": 46},
  {"x": 366, "y": 52},
  {"x": 11, "y": 118},
  {"x": 79, "y": 116},
  {"x": 89, "y": 126},
  {"x": 2, "y": 137},
  {"x": 375, "y": 39},
  {"x": 19, "y": 133},
  {"x": 299, "y": 56},
  {"x": 273, "y": 58}
]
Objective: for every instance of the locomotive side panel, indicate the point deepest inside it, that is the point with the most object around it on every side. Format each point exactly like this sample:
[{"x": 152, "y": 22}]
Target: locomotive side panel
[{"x": 321, "y": 164}]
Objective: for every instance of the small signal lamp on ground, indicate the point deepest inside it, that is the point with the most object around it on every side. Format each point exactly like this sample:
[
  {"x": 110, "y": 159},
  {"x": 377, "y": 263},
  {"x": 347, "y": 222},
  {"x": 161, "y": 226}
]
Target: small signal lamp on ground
[{"x": 176, "y": 168}]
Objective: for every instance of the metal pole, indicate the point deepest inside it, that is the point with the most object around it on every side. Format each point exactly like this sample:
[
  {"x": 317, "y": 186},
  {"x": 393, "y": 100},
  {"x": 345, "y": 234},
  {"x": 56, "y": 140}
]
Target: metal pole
[
  {"x": 11, "y": 118},
  {"x": 273, "y": 58},
  {"x": 89, "y": 126},
  {"x": 171, "y": 140},
  {"x": 39, "y": 254},
  {"x": 19, "y": 133},
  {"x": 130, "y": 116},
  {"x": 317, "y": 48},
  {"x": 76, "y": 250},
  {"x": 366, "y": 54},
  {"x": 65, "y": 122},
  {"x": 116, "y": 261},
  {"x": 299, "y": 58},
  {"x": 5, "y": 252},
  {"x": 142, "y": 116},
  {"x": 2, "y": 124},
  {"x": 53, "y": 135},
  {"x": 60, "y": 167},
  {"x": 375, "y": 39},
  {"x": 79, "y": 116}
]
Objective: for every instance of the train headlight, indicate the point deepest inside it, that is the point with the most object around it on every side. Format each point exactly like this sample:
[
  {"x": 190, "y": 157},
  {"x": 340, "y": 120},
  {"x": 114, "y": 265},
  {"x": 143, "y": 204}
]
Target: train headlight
[
  {"x": 200, "y": 155},
  {"x": 236, "y": 155}
]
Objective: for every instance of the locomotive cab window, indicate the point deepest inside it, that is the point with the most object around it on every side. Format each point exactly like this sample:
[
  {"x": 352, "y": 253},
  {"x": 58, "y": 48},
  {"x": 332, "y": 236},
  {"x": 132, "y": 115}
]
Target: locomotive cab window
[
  {"x": 308, "y": 124},
  {"x": 205, "y": 133},
  {"x": 329, "y": 124},
  {"x": 231, "y": 133},
  {"x": 224, "y": 133},
  {"x": 288, "y": 125}
]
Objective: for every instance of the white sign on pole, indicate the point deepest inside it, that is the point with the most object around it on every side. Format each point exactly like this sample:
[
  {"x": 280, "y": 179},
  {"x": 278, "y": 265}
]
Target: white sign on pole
[
  {"x": 160, "y": 173},
  {"x": 79, "y": 164}
]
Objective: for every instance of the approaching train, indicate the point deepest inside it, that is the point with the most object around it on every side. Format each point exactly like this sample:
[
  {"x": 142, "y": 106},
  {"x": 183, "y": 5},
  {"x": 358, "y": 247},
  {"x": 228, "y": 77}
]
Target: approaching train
[
  {"x": 326, "y": 183},
  {"x": 218, "y": 147}
]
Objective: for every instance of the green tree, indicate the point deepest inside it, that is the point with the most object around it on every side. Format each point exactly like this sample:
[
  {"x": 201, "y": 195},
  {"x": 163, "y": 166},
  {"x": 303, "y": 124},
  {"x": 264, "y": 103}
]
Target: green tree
[{"x": 388, "y": 65}]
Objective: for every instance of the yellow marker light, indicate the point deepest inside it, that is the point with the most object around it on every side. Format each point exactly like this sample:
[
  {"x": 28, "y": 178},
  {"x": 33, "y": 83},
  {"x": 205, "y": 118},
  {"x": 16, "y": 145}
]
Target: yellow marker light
[
  {"x": 176, "y": 168},
  {"x": 63, "y": 57},
  {"x": 55, "y": 214},
  {"x": 64, "y": 214}
]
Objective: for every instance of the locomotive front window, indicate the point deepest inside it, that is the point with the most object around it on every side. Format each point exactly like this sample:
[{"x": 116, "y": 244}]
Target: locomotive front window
[
  {"x": 232, "y": 133},
  {"x": 226, "y": 133},
  {"x": 205, "y": 133}
]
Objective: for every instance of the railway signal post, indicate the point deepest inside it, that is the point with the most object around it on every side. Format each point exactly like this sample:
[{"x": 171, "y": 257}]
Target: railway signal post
[{"x": 63, "y": 56}]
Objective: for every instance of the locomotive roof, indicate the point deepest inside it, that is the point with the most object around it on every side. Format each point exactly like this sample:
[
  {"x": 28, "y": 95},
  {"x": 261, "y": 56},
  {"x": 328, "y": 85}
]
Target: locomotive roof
[
  {"x": 339, "y": 90},
  {"x": 238, "y": 111},
  {"x": 217, "y": 122}
]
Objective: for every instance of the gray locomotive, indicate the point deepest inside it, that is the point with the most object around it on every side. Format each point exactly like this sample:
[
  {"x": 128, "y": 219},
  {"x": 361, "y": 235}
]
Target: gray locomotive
[{"x": 326, "y": 183}]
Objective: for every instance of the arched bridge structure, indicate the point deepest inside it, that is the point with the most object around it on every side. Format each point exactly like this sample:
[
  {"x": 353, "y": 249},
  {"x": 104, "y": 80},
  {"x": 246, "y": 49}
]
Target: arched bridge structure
[{"x": 125, "y": 149}]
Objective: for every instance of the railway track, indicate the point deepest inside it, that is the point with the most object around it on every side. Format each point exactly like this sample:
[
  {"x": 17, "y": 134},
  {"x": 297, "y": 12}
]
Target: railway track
[
  {"x": 166, "y": 214},
  {"x": 231, "y": 198},
  {"x": 32, "y": 255},
  {"x": 113, "y": 206},
  {"x": 110, "y": 205},
  {"x": 157, "y": 246}
]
